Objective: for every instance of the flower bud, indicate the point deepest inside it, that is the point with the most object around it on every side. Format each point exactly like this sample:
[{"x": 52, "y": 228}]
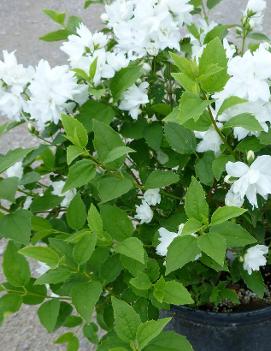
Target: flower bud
[{"x": 250, "y": 156}]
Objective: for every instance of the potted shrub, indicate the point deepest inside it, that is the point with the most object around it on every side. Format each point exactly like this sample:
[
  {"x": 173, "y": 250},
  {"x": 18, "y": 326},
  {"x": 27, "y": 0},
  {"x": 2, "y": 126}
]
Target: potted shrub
[{"x": 148, "y": 192}]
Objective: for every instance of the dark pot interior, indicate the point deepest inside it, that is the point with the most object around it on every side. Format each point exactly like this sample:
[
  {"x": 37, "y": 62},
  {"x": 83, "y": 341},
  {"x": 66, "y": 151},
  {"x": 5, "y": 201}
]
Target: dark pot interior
[{"x": 209, "y": 331}]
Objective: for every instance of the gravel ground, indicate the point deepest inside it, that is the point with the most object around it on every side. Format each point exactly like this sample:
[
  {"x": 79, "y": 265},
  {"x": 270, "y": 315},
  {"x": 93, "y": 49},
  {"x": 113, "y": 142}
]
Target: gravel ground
[{"x": 22, "y": 23}]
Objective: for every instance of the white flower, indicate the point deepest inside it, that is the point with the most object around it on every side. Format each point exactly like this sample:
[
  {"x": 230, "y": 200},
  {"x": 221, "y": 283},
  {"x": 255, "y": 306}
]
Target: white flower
[
  {"x": 255, "y": 10},
  {"x": 230, "y": 48},
  {"x": 252, "y": 180},
  {"x": 233, "y": 199},
  {"x": 250, "y": 76},
  {"x": 144, "y": 213},
  {"x": 14, "y": 78},
  {"x": 255, "y": 258},
  {"x": 50, "y": 90},
  {"x": 166, "y": 238},
  {"x": 211, "y": 141},
  {"x": 27, "y": 203},
  {"x": 152, "y": 197},
  {"x": 16, "y": 170},
  {"x": 68, "y": 195},
  {"x": 133, "y": 98}
]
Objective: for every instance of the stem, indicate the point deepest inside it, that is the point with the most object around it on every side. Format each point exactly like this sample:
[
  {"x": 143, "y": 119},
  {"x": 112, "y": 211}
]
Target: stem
[{"x": 204, "y": 11}]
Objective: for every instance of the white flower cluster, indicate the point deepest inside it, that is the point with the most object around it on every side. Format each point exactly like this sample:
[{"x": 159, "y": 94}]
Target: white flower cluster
[
  {"x": 43, "y": 92},
  {"x": 254, "y": 258},
  {"x": 144, "y": 213},
  {"x": 145, "y": 27}
]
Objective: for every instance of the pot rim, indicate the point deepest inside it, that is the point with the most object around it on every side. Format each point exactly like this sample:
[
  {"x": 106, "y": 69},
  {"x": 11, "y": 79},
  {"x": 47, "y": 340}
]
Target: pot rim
[{"x": 203, "y": 317}]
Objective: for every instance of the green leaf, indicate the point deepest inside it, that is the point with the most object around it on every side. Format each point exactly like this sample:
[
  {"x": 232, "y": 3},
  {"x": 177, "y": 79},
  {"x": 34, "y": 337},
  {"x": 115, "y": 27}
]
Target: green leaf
[
  {"x": 95, "y": 222},
  {"x": 116, "y": 222},
  {"x": 84, "y": 249},
  {"x": 191, "y": 107},
  {"x": 12, "y": 157},
  {"x": 172, "y": 292},
  {"x": 149, "y": 330},
  {"x": 203, "y": 168},
  {"x": 117, "y": 153},
  {"x": 185, "y": 65},
  {"x": 9, "y": 303},
  {"x": 219, "y": 31},
  {"x": 169, "y": 341},
  {"x": 84, "y": 298},
  {"x": 230, "y": 102},
  {"x": 182, "y": 250},
  {"x": 94, "y": 110},
  {"x": 127, "y": 320},
  {"x": 75, "y": 131},
  {"x": 213, "y": 55},
  {"x": 254, "y": 282},
  {"x": 72, "y": 153},
  {"x": 70, "y": 339},
  {"x": 234, "y": 234},
  {"x": 16, "y": 226},
  {"x": 111, "y": 187},
  {"x": 76, "y": 213},
  {"x": 132, "y": 248},
  {"x": 48, "y": 314},
  {"x": 141, "y": 281},
  {"x": 124, "y": 79},
  {"x": 105, "y": 140},
  {"x": 244, "y": 120},
  {"x": 212, "y": 3},
  {"x": 180, "y": 139},
  {"x": 15, "y": 266},
  {"x": 42, "y": 254},
  {"x": 219, "y": 164},
  {"x": 214, "y": 245},
  {"x": 223, "y": 214},
  {"x": 81, "y": 173},
  {"x": 5, "y": 127},
  {"x": 160, "y": 179},
  {"x": 73, "y": 23},
  {"x": 58, "y": 35},
  {"x": 196, "y": 205},
  {"x": 8, "y": 188},
  {"x": 55, "y": 16},
  {"x": 191, "y": 226},
  {"x": 55, "y": 276}
]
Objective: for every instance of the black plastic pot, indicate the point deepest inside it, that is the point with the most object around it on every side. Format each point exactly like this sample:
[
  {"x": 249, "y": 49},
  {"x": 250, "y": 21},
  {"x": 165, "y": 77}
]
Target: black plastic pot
[{"x": 209, "y": 331}]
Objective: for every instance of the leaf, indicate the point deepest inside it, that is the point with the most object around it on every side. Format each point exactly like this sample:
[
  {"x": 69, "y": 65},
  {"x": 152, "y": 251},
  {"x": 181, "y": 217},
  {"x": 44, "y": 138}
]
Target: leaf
[
  {"x": 81, "y": 173},
  {"x": 15, "y": 266},
  {"x": 75, "y": 131},
  {"x": 254, "y": 282},
  {"x": 48, "y": 314},
  {"x": 105, "y": 140},
  {"x": 111, "y": 187},
  {"x": 124, "y": 79},
  {"x": 212, "y": 3},
  {"x": 169, "y": 341},
  {"x": 55, "y": 276},
  {"x": 196, "y": 205},
  {"x": 42, "y": 254},
  {"x": 214, "y": 245},
  {"x": 127, "y": 320},
  {"x": 116, "y": 222},
  {"x": 180, "y": 139},
  {"x": 70, "y": 339},
  {"x": 132, "y": 248},
  {"x": 16, "y": 226},
  {"x": 191, "y": 107},
  {"x": 184, "y": 65},
  {"x": 141, "y": 281},
  {"x": 58, "y": 35},
  {"x": 230, "y": 102},
  {"x": 219, "y": 164},
  {"x": 84, "y": 298},
  {"x": 160, "y": 179},
  {"x": 12, "y": 157},
  {"x": 76, "y": 214},
  {"x": 117, "y": 153},
  {"x": 213, "y": 55},
  {"x": 234, "y": 234},
  {"x": 203, "y": 168},
  {"x": 8, "y": 188},
  {"x": 9, "y": 303},
  {"x": 182, "y": 250},
  {"x": 244, "y": 120},
  {"x": 95, "y": 222},
  {"x": 73, "y": 152},
  {"x": 172, "y": 292},
  {"x": 84, "y": 249},
  {"x": 223, "y": 214},
  {"x": 55, "y": 16},
  {"x": 149, "y": 330}
]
